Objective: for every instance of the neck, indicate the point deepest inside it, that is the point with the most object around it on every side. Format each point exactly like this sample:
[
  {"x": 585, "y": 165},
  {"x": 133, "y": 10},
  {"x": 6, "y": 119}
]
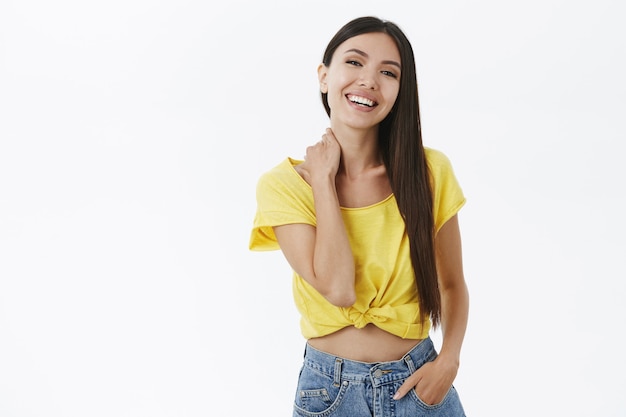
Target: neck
[{"x": 359, "y": 149}]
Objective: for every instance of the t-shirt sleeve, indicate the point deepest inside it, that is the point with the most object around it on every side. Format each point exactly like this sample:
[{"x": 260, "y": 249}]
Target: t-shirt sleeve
[
  {"x": 448, "y": 197},
  {"x": 282, "y": 198}
]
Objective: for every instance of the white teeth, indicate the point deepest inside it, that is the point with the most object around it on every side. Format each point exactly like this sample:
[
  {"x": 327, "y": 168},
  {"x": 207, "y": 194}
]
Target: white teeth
[{"x": 361, "y": 100}]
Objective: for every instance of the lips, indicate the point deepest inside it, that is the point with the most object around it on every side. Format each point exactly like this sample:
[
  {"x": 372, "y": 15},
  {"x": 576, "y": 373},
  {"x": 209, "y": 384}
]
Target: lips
[{"x": 361, "y": 101}]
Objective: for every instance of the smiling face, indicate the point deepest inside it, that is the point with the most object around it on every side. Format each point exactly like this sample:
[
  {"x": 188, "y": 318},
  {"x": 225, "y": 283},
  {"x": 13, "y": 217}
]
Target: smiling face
[{"x": 362, "y": 80}]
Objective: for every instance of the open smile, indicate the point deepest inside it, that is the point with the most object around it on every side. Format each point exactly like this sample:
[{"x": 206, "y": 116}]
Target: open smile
[{"x": 361, "y": 101}]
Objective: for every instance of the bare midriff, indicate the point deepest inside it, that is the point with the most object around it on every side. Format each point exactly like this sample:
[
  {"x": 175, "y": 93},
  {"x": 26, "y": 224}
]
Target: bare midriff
[{"x": 369, "y": 344}]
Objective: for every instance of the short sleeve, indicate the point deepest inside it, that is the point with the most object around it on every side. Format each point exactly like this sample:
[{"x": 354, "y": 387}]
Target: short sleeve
[
  {"x": 282, "y": 197},
  {"x": 448, "y": 197}
]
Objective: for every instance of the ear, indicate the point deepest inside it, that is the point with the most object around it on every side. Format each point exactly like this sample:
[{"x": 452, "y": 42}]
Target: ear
[{"x": 322, "y": 72}]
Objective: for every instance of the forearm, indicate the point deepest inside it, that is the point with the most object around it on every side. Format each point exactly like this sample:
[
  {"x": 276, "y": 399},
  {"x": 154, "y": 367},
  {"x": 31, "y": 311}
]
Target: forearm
[
  {"x": 454, "y": 294},
  {"x": 454, "y": 316},
  {"x": 333, "y": 262},
  {"x": 434, "y": 379}
]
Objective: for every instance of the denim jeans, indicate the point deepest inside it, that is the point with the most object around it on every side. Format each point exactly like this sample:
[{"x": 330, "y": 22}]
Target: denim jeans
[{"x": 330, "y": 386}]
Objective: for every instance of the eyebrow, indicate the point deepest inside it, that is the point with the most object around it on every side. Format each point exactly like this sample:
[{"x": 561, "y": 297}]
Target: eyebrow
[{"x": 363, "y": 54}]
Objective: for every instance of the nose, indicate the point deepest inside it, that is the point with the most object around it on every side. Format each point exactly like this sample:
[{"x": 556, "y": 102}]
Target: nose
[{"x": 368, "y": 80}]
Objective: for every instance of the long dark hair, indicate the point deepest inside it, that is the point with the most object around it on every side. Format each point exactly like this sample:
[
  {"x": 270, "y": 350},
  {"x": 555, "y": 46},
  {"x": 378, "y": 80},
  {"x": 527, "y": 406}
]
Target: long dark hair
[{"x": 400, "y": 144}]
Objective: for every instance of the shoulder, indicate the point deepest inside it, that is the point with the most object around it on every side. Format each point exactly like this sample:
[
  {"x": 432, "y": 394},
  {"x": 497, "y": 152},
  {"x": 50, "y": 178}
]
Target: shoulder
[
  {"x": 282, "y": 179},
  {"x": 441, "y": 171},
  {"x": 448, "y": 196},
  {"x": 284, "y": 172},
  {"x": 286, "y": 168},
  {"x": 437, "y": 160}
]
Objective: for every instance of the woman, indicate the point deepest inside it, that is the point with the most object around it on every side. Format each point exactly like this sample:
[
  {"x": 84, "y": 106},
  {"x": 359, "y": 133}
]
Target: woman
[{"x": 368, "y": 223}]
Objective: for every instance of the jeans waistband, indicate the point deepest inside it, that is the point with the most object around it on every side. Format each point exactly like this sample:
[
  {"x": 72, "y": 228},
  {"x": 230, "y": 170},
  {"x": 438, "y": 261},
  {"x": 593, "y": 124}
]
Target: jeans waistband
[{"x": 379, "y": 373}]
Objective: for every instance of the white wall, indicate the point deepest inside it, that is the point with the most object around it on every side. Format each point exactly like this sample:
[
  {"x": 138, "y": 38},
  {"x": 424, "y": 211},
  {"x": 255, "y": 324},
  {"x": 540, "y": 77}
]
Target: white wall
[{"x": 131, "y": 137}]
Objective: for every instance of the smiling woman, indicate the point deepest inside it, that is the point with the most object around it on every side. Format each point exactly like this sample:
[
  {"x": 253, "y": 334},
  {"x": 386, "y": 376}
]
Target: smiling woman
[
  {"x": 368, "y": 223},
  {"x": 366, "y": 71}
]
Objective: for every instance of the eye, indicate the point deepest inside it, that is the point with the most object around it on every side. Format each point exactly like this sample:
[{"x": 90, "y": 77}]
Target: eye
[
  {"x": 353, "y": 62},
  {"x": 389, "y": 74}
]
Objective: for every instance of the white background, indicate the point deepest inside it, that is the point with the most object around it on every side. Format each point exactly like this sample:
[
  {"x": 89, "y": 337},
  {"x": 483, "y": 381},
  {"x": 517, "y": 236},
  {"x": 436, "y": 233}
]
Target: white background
[{"x": 132, "y": 133}]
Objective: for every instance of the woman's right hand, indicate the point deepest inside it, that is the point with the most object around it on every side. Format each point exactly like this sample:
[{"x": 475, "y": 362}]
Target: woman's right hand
[
  {"x": 322, "y": 159},
  {"x": 321, "y": 253}
]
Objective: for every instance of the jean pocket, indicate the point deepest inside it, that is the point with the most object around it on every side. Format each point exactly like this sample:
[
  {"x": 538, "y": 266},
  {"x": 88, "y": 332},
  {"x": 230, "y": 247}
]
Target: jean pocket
[
  {"x": 450, "y": 402},
  {"x": 317, "y": 393}
]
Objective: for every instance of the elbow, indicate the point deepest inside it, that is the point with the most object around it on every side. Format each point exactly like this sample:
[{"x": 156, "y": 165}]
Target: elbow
[
  {"x": 341, "y": 298},
  {"x": 337, "y": 288}
]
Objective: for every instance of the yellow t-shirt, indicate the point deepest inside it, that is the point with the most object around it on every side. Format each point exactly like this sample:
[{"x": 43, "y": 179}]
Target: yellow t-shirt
[{"x": 385, "y": 283}]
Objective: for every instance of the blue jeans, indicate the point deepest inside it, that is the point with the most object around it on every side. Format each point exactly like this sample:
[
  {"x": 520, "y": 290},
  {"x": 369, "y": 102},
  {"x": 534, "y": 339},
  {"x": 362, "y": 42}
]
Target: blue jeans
[{"x": 330, "y": 386}]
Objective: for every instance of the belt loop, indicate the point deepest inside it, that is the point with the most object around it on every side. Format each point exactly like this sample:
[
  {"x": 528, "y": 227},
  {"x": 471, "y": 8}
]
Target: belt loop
[
  {"x": 337, "y": 376},
  {"x": 409, "y": 363}
]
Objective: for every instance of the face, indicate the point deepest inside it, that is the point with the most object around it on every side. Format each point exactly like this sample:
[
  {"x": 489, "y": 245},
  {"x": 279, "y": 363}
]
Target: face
[{"x": 362, "y": 80}]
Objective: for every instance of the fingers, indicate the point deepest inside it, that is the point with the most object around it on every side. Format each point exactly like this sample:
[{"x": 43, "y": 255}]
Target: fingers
[
  {"x": 327, "y": 149},
  {"x": 408, "y": 385},
  {"x": 329, "y": 135},
  {"x": 327, "y": 141},
  {"x": 430, "y": 384}
]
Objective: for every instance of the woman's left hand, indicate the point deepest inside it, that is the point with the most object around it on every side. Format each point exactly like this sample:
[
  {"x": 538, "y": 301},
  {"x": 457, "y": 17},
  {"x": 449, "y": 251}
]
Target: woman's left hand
[{"x": 431, "y": 382}]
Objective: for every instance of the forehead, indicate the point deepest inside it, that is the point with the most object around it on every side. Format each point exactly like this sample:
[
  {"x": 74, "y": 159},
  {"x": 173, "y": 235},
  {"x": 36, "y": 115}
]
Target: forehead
[{"x": 378, "y": 46}]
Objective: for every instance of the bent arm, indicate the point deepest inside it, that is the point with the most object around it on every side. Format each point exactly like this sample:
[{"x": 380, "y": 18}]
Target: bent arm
[{"x": 322, "y": 255}]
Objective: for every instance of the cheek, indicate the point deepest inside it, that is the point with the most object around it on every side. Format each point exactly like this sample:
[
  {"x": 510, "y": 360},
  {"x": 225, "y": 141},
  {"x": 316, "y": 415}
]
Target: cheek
[
  {"x": 337, "y": 81},
  {"x": 392, "y": 95},
  {"x": 334, "y": 93}
]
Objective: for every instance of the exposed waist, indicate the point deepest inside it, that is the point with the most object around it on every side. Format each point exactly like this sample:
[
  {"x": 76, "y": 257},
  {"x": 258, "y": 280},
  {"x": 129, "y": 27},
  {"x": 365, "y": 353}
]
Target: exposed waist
[
  {"x": 380, "y": 373},
  {"x": 368, "y": 344}
]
